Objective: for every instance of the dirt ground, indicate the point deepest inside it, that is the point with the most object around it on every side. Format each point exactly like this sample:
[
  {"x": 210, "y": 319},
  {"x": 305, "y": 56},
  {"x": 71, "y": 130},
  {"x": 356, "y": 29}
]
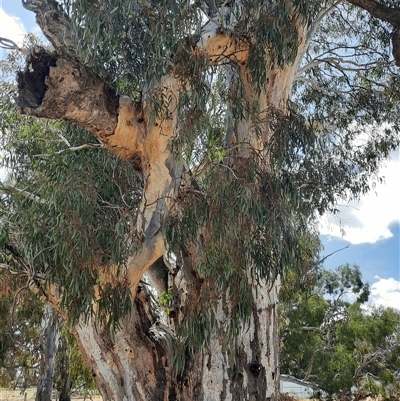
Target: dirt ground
[{"x": 29, "y": 395}]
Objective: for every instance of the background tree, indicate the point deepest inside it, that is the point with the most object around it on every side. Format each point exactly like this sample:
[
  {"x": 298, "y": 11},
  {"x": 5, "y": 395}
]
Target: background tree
[
  {"x": 328, "y": 339},
  {"x": 71, "y": 373},
  {"x": 20, "y": 352},
  {"x": 29, "y": 351},
  {"x": 49, "y": 339},
  {"x": 232, "y": 125}
]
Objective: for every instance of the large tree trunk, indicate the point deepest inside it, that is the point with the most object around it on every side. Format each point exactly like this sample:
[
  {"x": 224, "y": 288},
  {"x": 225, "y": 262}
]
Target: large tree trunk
[{"x": 137, "y": 362}]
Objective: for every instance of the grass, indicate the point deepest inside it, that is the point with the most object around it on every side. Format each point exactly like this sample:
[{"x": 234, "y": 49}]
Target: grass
[{"x": 29, "y": 395}]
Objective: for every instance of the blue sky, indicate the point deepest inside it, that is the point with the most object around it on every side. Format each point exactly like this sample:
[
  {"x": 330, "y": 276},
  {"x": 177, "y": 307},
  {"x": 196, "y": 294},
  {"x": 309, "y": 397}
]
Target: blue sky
[
  {"x": 378, "y": 259},
  {"x": 372, "y": 232},
  {"x": 14, "y": 8},
  {"x": 371, "y": 226}
]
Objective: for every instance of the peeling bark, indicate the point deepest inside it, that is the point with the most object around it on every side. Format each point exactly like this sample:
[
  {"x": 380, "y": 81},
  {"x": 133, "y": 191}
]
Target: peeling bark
[
  {"x": 135, "y": 364},
  {"x": 132, "y": 364},
  {"x": 70, "y": 91}
]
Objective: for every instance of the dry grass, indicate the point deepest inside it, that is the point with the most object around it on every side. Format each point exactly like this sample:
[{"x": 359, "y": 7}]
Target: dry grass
[{"x": 29, "y": 395}]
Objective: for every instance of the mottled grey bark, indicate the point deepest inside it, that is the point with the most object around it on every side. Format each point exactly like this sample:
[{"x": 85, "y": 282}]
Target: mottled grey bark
[
  {"x": 49, "y": 337},
  {"x": 64, "y": 370},
  {"x": 136, "y": 364}
]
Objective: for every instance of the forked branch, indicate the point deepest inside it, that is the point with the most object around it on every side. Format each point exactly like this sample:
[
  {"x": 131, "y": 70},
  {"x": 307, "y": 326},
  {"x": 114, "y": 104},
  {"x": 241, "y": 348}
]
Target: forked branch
[{"x": 8, "y": 44}]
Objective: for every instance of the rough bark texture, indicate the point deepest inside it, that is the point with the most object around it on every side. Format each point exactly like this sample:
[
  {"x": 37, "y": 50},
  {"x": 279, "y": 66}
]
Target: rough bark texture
[
  {"x": 135, "y": 364},
  {"x": 53, "y": 87},
  {"x": 55, "y": 25},
  {"x": 65, "y": 381}
]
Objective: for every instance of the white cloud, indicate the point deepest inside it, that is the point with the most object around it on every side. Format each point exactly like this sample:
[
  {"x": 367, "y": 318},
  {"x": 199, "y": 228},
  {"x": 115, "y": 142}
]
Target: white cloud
[
  {"x": 385, "y": 292},
  {"x": 368, "y": 220},
  {"x": 11, "y": 28}
]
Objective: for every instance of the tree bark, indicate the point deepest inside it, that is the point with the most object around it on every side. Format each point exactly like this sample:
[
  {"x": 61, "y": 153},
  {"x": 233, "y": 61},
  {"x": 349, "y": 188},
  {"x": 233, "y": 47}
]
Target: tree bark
[
  {"x": 65, "y": 377},
  {"x": 50, "y": 336},
  {"x": 136, "y": 363},
  {"x": 384, "y": 13}
]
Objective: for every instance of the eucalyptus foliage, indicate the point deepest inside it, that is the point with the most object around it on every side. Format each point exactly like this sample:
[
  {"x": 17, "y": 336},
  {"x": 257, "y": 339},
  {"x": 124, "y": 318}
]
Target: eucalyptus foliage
[
  {"x": 78, "y": 218},
  {"x": 248, "y": 217},
  {"x": 20, "y": 350},
  {"x": 330, "y": 339},
  {"x": 21, "y": 344}
]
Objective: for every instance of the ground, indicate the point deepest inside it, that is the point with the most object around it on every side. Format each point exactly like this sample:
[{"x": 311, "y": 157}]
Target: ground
[{"x": 10, "y": 395}]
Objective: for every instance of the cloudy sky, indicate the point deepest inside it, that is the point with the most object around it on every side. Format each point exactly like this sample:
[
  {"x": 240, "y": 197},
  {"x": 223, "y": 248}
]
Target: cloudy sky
[
  {"x": 371, "y": 230},
  {"x": 371, "y": 226}
]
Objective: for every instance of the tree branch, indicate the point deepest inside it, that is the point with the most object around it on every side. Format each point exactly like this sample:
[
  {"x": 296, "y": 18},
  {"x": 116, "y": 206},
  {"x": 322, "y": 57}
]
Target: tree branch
[
  {"x": 55, "y": 25},
  {"x": 10, "y": 189},
  {"x": 218, "y": 43},
  {"x": 386, "y": 14},
  {"x": 60, "y": 87},
  {"x": 315, "y": 329},
  {"x": 315, "y": 24},
  {"x": 321, "y": 88},
  {"x": 73, "y": 149},
  {"x": 339, "y": 63},
  {"x": 332, "y": 253},
  {"x": 10, "y": 45},
  {"x": 56, "y": 88},
  {"x": 379, "y": 10},
  {"x": 220, "y": 46}
]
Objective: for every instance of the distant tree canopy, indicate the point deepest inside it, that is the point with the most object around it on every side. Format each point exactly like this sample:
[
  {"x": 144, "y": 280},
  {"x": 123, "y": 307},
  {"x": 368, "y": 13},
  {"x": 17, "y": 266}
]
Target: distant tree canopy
[
  {"x": 329, "y": 339},
  {"x": 22, "y": 349}
]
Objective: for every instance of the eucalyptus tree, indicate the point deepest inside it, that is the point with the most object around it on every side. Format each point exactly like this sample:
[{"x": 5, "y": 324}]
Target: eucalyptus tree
[
  {"x": 232, "y": 125},
  {"x": 332, "y": 343},
  {"x": 20, "y": 352},
  {"x": 29, "y": 352}
]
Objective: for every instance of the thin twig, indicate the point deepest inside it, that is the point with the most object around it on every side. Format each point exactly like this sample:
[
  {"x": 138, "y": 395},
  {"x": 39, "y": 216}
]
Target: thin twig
[
  {"x": 328, "y": 256},
  {"x": 72, "y": 149}
]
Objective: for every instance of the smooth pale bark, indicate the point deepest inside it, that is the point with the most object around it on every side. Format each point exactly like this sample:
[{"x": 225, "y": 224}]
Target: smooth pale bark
[{"x": 135, "y": 364}]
